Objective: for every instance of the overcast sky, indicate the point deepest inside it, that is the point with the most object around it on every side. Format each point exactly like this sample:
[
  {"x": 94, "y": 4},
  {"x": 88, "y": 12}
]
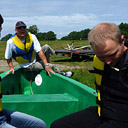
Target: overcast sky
[{"x": 62, "y": 16}]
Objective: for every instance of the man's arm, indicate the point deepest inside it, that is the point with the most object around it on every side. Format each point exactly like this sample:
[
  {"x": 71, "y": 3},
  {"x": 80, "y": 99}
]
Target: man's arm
[
  {"x": 43, "y": 58},
  {"x": 10, "y": 64}
]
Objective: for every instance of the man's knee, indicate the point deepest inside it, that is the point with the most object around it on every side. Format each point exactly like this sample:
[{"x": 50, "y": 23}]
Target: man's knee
[{"x": 47, "y": 49}]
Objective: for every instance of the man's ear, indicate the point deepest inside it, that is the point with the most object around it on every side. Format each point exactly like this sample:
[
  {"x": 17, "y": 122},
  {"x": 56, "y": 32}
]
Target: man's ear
[
  {"x": 15, "y": 30},
  {"x": 122, "y": 38}
]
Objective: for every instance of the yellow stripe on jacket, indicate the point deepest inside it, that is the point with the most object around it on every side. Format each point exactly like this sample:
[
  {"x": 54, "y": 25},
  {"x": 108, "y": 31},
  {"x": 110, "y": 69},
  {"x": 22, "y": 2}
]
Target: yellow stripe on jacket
[{"x": 98, "y": 65}]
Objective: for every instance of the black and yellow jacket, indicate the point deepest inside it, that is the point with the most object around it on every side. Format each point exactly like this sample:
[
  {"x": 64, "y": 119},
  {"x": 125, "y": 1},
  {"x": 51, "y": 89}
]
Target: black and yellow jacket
[
  {"x": 25, "y": 52},
  {"x": 112, "y": 88}
]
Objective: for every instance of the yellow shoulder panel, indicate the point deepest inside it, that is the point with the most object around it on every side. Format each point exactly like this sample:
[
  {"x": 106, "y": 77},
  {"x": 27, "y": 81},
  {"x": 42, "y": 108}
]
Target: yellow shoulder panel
[{"x": 98, "y": 63}]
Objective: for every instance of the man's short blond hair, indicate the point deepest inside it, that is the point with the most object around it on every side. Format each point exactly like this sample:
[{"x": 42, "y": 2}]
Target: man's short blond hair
[{"x": 102, "y": 32}]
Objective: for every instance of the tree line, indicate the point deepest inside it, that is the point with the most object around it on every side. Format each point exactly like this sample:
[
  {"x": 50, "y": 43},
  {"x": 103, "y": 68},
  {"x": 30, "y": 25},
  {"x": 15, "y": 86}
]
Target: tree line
[{"x": 75, "y": 35}]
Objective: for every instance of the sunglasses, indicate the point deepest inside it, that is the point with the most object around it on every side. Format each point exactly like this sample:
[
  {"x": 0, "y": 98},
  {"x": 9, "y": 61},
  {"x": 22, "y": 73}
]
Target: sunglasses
[{"x": 22, "y": 27}]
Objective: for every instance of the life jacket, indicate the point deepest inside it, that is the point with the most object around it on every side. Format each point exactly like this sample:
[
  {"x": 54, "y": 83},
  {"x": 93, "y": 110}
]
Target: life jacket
[
  {"x": 25, "y": 52},
  {"x": 112, "y": 88}
]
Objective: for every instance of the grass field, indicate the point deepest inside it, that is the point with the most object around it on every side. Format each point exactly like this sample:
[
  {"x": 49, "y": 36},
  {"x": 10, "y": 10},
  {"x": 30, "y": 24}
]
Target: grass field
[{"x": 82, "y": 74}]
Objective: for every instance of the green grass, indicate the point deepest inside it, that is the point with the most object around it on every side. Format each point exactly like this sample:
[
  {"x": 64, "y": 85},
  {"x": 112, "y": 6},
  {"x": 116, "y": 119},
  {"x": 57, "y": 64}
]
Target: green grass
[
  {"x": 59, "y": 44},
  {"x": 82, "y": 74},
  {"x": 2, "y": 49}
]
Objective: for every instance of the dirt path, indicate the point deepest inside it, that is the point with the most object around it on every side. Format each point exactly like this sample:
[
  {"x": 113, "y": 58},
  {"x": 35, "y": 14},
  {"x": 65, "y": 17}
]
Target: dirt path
[
  {"x": 62, "y": 67},
  {"x": 4, "y": 66}
]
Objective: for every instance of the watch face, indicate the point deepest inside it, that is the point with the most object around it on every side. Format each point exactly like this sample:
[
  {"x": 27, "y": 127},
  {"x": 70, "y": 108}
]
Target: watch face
[
  {"x": 47, "y": 64},
  {"x": 38, "y": 80}
]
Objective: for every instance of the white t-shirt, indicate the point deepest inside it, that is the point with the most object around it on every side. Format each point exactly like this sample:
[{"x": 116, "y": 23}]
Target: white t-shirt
[{"x": 10, "y": 47}]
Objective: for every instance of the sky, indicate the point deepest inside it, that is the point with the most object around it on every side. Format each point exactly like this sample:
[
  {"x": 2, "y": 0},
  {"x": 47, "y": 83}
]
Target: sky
[{"x": 61, "y": 16}]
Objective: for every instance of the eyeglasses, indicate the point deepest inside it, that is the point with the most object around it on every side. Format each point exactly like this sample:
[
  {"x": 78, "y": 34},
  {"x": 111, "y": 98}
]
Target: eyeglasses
[{"x": 22, "y": 27}]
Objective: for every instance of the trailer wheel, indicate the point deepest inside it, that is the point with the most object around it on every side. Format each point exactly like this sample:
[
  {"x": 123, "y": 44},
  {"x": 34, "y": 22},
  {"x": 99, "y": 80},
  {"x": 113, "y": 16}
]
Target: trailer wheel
[{"x": 75, "y": 56}]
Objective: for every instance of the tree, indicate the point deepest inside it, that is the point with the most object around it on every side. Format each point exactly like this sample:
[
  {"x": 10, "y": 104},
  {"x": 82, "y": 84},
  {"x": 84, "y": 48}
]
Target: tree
[
  {"x": 84, "y": 34},
  {"x": 74, "y": 35},
  {"x": 65, "y": 38},
  {"x": 46, "y": 36},
  {"x": 50, "y": 36},
  {"x": 6, "y": 37},
  {"x": 41, "y": 36},
  {"x": 124, "y": 29},
  {"x": 33, "y": 29}
]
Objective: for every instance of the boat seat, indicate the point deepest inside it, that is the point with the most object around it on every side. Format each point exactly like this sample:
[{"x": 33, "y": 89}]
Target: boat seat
[
  {"x": 52, "y": 104},
  {"x": 40, "y": 98}
]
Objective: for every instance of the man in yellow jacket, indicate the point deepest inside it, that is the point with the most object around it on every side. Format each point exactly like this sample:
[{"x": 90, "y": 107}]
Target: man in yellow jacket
[
  {"x": 23, "y": 46},
  {"x": 14, "y": 119}
]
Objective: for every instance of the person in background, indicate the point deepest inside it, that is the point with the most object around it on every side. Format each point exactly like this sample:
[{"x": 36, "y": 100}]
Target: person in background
[
  {"x": 23, "y": 46},
  {"x": 48, "y": 52},
  {"x": 15, "y": 119},
  {"x": 111, "y": 72},
  {"x": 1, "y": 22}
]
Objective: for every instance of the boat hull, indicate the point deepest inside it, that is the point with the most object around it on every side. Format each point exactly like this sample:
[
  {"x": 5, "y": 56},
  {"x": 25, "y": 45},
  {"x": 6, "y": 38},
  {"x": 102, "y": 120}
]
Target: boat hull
[{"x": 47, "y": 98}]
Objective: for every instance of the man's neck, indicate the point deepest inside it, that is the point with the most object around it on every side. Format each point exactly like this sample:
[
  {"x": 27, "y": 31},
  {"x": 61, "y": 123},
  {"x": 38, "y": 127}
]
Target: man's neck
[{"x": 21, "y": 38}]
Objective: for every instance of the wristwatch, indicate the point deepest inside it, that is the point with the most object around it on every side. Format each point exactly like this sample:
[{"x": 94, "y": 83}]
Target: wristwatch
[{"x": 47, "y": 64}]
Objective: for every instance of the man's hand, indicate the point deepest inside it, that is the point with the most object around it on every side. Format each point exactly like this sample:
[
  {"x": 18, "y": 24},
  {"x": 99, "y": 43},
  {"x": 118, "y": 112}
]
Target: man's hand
[
  {"x": 48, "y": 70},
  {"x": 44, "y": 60},
  {"x": 10, "y": 64},
  {"x": 11, "y": 70}
]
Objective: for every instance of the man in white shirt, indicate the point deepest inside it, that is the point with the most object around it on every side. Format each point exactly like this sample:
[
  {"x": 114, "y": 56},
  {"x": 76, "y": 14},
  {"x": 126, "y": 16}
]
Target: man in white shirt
[
  {"x": 23, "y": 46},
  {"x": 15, "y": 119}
]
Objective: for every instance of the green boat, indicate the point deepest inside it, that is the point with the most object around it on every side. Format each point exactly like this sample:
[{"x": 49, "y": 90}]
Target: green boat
[{"x": 47, "y": 98}]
